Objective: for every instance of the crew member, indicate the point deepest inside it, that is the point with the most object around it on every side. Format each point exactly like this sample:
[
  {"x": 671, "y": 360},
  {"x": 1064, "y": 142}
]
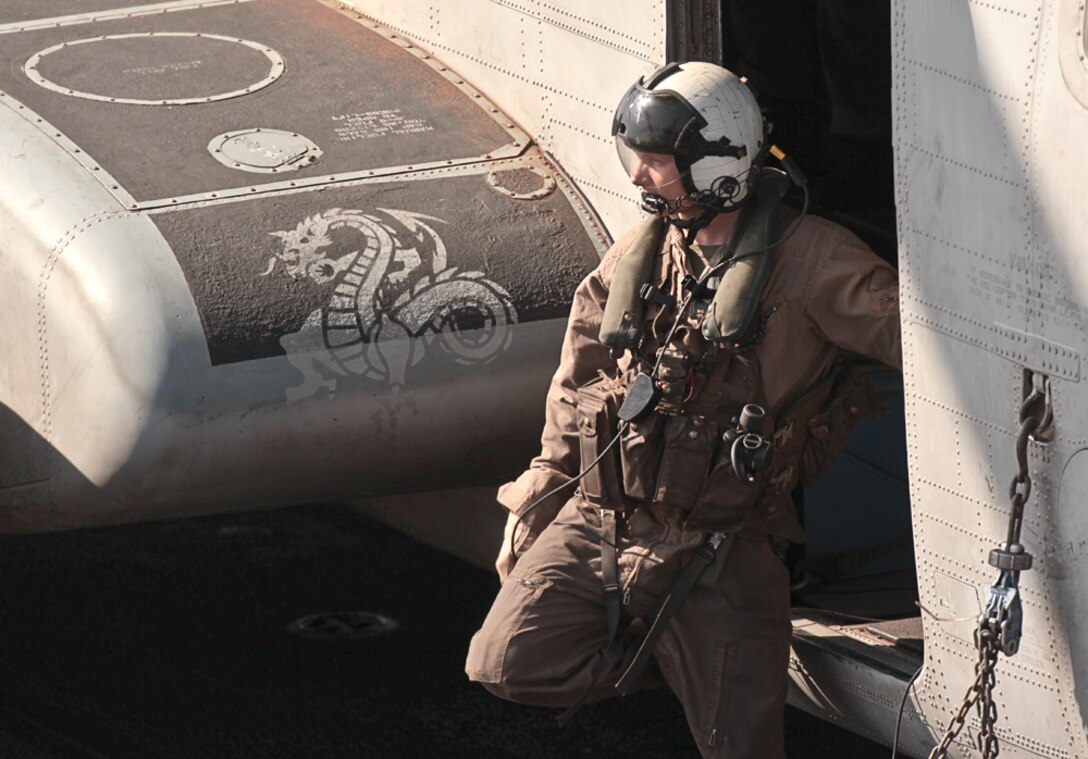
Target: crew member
[{"x": 703, "y": 375}]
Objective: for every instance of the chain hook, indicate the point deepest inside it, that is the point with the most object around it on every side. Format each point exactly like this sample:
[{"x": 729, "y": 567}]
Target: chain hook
[
  {"x": 1000, "y": 626},
  {"x": 1043, "y": 431}
]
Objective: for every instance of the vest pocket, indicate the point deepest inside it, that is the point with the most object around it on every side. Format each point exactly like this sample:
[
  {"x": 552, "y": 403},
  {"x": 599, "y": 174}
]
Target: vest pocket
[
  {"x": 596, "y": 413},
  {"x": 641, "y": 451},
  {"x": 590, "y": 413},
  {"x": 724, "y": 499},
  {"x": 689, "y": 447}
]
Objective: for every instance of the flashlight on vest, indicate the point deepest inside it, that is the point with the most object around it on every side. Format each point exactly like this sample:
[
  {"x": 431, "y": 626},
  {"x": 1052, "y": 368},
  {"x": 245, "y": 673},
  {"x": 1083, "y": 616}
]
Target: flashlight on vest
[{"x": 749, "y": 451}]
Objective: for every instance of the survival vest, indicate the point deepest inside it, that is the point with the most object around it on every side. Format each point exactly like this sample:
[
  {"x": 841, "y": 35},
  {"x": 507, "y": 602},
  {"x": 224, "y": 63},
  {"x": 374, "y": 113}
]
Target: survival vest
[{"x": 673, "y": 458}]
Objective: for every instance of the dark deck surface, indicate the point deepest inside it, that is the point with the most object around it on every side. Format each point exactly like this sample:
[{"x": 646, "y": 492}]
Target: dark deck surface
[
  {"x": 535, "y": 251},
  {"x": 367, "y": 102},
  {"x": 169, "y": 640}
]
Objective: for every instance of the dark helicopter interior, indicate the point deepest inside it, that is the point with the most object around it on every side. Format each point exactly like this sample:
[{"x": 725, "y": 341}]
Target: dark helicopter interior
[{"x": 822, "y": 72}]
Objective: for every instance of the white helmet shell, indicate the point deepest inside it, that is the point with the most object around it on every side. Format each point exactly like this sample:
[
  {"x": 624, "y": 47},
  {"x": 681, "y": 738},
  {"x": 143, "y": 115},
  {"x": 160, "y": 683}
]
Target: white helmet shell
[
  {"x": 702, "y": 114},
  {"x": 730, "y": 111}
]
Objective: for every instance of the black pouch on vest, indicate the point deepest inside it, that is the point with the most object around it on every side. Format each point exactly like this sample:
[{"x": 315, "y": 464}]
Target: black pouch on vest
[
  {"x": 689, "y": 443},
  {"x": 598, "y": 403}
]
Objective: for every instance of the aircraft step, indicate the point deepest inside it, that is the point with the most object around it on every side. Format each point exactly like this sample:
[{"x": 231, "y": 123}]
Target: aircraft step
[{"x": 854, "y": 672}]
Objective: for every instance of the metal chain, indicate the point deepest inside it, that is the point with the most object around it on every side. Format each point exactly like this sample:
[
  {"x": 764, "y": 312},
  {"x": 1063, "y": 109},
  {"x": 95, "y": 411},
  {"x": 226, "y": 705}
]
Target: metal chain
[
  {"x": 980, "y": 695},
  {"x": 999, "y": 626},
  {"x": 987, "y": 707}
]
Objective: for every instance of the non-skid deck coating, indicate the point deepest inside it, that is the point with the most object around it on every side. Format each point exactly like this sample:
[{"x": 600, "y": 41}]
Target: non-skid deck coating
[
  {"x": 168, "y": 640},
  {"x": 14, "y": 11},
  {"x": 443, "y": 249},
  {"x": 366, "y": 102}
]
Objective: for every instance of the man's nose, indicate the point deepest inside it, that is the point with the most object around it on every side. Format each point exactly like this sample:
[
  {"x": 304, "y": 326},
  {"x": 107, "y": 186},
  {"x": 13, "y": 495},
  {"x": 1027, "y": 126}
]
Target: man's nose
[{"x": 638, "y": 173}]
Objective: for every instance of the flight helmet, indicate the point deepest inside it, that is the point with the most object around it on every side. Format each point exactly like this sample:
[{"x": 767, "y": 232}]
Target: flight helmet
[{"x": 707, "y": 119}]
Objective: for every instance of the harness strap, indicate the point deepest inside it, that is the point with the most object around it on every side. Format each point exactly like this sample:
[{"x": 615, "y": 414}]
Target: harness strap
[
  {"x": 610, "y": 573},
  {"x": 610, "y": 586},
  {"x": 669, "y": 604}
]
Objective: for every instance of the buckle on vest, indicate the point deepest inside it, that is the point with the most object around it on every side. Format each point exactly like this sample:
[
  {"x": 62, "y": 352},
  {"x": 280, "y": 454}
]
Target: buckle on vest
[{"x": 651, "y": 294}]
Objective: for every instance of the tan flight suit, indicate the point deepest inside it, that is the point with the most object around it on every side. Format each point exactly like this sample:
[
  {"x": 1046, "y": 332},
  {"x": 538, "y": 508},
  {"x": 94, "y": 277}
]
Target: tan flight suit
[{"x": 725, "y": 653}]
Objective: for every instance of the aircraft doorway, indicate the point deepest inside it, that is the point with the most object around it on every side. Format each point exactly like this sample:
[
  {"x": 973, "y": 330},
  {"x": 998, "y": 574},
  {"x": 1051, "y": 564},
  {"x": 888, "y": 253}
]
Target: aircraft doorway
[
  {"x": 823, "y": 72},
  {"x": 830, "y": 102}
]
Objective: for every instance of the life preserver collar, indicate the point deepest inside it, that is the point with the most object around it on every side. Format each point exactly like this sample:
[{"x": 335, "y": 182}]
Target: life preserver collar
[{"x": 736, "y": 301}]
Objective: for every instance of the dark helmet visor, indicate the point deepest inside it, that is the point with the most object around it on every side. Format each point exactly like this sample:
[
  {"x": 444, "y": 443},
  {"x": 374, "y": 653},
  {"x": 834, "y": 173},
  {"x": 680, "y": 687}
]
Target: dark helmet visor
[{"x": 655, "y": 121}]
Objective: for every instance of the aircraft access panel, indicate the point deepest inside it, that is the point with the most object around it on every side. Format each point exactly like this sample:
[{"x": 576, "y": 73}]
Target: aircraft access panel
[{"x": 228, "y": 99}]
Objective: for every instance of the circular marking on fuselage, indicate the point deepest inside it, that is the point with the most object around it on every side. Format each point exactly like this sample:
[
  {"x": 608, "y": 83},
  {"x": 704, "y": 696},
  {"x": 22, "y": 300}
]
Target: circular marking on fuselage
[
  {"x": 156, "y": 68},
  {"x": 264, "y": 151},
  {"x": 530, "y": 183}
]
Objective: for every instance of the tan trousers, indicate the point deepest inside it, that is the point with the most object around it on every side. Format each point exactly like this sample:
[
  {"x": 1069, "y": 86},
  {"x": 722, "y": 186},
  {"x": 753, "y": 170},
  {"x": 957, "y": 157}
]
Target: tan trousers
[{"x": 724, "y": 654}]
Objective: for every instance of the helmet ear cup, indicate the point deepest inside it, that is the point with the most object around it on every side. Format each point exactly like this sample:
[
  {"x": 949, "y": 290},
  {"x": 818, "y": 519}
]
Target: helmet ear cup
[{"x": 726, "y": 189}]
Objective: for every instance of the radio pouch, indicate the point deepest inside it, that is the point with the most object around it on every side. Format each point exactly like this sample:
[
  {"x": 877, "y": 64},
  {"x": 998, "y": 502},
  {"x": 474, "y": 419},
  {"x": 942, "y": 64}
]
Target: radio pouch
[{"x": 598, "y": 404}]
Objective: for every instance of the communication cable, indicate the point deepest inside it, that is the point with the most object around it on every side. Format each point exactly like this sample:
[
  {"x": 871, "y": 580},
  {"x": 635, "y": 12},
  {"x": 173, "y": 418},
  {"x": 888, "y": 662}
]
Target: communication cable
[
  {"x": 568, "y": 483},
  {"x": 902, "y": 707}
]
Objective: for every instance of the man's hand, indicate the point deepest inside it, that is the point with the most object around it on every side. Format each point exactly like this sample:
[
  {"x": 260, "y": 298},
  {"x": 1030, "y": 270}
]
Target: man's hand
[{"x": 521, "y": 542}]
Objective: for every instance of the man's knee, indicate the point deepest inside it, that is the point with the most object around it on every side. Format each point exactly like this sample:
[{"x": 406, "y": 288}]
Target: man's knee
[
  {"x": 536, "y": 645},
  {"x": 507, "y": 671},
  {"x": 489, "y": 660},
  {"x": 484, "y": 663},
  {"x": 507, "y": 693}
]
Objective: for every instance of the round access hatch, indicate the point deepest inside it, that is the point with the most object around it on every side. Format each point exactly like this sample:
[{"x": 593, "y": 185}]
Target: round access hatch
[
  {"x": 342, "y": 625},
  {"x": 264, "y": 151},
  {"x": 156, "y": 68}
]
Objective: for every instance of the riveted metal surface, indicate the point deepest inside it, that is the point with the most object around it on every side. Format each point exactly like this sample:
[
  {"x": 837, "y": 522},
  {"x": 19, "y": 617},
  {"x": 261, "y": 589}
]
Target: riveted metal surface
[
  {"x": 405, "y": 112},
  {"x": 87, "y": 162},
  {"x": 153, "y": 68},
  {"x": 343, "y": 270},
  {"x": 264, "y": 150}
]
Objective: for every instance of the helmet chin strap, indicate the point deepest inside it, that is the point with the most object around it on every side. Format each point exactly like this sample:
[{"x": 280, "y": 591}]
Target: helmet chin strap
[
  {"x": 693, "y": 226},
  {"x": 661, "y": 206}
]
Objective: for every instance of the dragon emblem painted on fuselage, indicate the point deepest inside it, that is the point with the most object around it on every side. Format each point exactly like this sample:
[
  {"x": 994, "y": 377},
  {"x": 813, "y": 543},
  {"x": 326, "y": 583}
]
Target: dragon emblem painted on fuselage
[{"x": 394, "y": 297}]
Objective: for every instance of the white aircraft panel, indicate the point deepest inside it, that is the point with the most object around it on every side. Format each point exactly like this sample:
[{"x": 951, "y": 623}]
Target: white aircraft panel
[
  {"x": 558, "y": 68},
  {"x": 45, "y": 274},
  {"x": 1067, "y": 560},
  {"x": 983, "y": 145},
  {"x": 979, "y": 54},
  {"x": 981, "y": 198},
  {"x": 989, "y": 147}
]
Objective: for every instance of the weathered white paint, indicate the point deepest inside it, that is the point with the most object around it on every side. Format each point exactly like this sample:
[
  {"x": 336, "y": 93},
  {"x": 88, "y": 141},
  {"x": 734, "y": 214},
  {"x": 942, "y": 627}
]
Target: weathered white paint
[
  {"x": 990, "y": 148},
  {"x": 559, "y": 68}
]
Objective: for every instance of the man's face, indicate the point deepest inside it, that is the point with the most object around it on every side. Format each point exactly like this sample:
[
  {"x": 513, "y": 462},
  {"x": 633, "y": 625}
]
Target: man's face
[{"x": 656, "y": 173}]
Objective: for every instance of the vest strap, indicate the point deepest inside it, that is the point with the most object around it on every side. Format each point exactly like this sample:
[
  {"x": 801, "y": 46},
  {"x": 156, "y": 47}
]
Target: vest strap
[
  {"x": 670, "y": 603},
  {"x": 610, "y": 586}
]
